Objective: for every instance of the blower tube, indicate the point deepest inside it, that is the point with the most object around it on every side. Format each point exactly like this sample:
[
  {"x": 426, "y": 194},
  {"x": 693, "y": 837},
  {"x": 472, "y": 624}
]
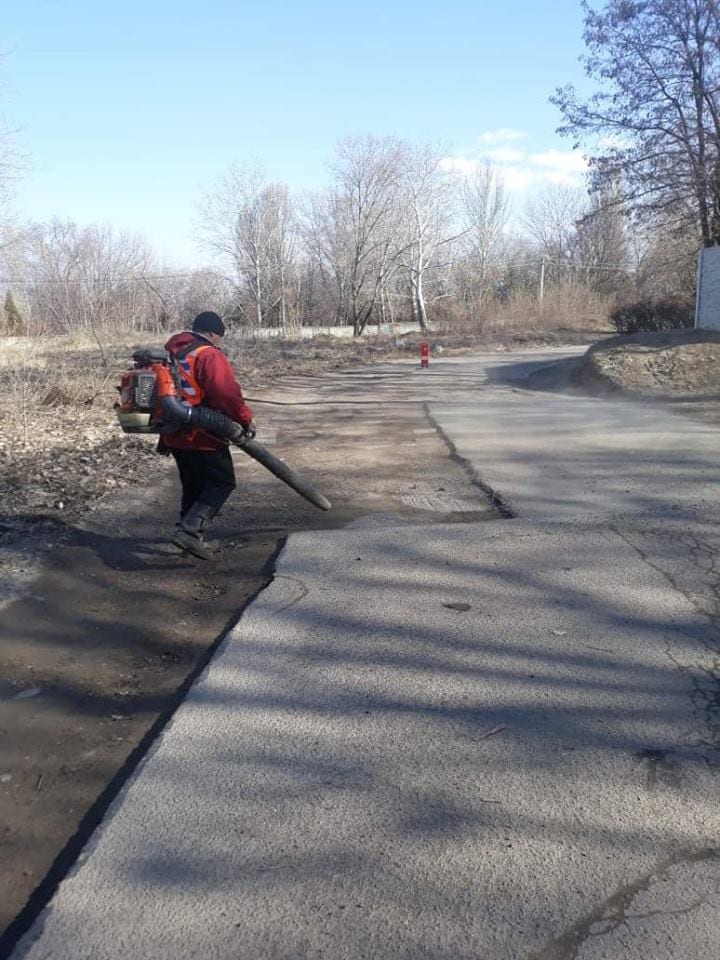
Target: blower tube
[{"x": 219, "y": 425}]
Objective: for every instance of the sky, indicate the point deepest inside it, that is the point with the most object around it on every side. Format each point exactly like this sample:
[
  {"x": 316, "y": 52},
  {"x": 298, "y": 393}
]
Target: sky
[{"x": 128, "y": 111}]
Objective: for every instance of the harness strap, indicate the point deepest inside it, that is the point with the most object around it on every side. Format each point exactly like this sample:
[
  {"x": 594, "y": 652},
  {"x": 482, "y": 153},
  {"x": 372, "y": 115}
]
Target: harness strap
[
  {"x": 183, "y": 375},
  {"x": 181, "y": 366},
  {"x": 184, "y": 351}
]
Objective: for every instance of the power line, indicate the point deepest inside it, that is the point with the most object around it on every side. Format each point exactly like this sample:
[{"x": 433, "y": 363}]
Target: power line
[{"x": 143, "y": 278}]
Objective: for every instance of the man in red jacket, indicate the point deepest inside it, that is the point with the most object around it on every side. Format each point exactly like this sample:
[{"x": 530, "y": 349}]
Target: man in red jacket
[{"x": 205, "y": 465}]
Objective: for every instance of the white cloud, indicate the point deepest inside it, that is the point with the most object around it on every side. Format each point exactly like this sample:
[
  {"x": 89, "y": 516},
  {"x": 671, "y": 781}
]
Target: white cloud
[
  {"x": 562, "y": 161},
  {"x": 521, "y": 168},
  {"x": 505, "y": 155},
  {"x": 503, "y": 135},
  {"x": 518, "y": 178},
  {"x": 462, "y": 164}
]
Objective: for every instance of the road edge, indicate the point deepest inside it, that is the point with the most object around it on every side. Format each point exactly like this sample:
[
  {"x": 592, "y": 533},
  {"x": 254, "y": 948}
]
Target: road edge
[{"x": 93, "y": 817}]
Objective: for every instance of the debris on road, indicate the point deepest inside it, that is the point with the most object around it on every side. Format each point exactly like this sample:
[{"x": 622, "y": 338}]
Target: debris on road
[{"x": 490, "y": 733}]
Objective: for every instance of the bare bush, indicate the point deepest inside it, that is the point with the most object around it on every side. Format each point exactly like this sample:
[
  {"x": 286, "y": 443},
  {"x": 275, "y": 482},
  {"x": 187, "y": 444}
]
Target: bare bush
[{"x": 649, "y": 315}]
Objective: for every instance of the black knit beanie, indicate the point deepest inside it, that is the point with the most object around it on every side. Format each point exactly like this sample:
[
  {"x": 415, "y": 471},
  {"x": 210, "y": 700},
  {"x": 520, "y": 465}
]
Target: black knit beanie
[{"x": 208, "y": 322}]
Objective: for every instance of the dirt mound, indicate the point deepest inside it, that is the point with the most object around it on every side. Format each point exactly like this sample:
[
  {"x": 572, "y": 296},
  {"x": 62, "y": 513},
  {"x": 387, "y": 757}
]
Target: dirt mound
[{"x": 673, "y": 364}]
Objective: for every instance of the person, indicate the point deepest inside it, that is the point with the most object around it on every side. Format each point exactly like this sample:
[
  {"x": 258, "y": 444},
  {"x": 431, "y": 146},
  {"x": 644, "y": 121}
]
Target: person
[{"x": 207, "y": 474}]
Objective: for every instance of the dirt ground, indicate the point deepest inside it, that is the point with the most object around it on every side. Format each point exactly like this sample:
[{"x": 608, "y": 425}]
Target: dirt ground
[
  {"x": 98, "y": 650},
  {"x": 680, "y": 368}
]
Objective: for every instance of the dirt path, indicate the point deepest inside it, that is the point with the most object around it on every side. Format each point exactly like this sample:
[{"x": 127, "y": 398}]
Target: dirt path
[{"x": 100, "y": 649}]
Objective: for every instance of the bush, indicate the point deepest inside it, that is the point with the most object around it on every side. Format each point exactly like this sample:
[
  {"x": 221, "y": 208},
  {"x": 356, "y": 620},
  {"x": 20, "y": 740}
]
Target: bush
[
  {"x": 14, "y": 321},
  {"x": 651, "y": 315}
]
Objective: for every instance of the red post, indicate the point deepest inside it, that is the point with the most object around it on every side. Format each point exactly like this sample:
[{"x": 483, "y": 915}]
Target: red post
[{"x": 424, "y": 354}]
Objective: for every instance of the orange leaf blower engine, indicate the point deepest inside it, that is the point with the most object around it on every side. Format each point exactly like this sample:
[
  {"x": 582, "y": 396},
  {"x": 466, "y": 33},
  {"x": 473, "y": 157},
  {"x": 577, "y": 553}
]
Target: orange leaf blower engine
[
  {"x": 150, "y": 402},
  {"x": 142, "y": 390}
]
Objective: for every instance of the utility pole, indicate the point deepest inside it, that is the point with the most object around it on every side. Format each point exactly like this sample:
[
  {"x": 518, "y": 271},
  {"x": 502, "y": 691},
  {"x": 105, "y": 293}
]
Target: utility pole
[{"x": 542, "y": 280}]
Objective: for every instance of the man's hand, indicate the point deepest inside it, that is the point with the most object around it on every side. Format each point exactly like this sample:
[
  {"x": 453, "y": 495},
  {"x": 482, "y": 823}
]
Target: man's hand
[{"x": 250, "y": 430}]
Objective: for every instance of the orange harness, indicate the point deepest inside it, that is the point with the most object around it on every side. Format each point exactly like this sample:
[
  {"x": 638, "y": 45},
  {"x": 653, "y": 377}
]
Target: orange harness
[{"x": 190, "y": 390}]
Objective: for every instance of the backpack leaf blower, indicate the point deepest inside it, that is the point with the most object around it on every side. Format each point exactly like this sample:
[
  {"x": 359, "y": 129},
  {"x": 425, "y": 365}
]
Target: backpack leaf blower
[{"x": 149, "y": 403}]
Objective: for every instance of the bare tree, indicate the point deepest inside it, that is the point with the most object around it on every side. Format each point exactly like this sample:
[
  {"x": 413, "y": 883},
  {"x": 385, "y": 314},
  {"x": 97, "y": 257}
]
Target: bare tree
[
  {"x": 12, "y": 167},
  {"x": 326, "y": 237},
  {"x": 654, "y": 122},
  {"x": 250, "y": 225},
  {"x": 282, "y": 245},
  {"x": 9, "y": 174},
  {"x": 231, "y": 226},
  {"x": 602, "y": 240},
  {"x": 663, "y": 264},
  {"x": 180, "y": 297},
  {"x": 363, "y": 227},
  {"x": 550, "y": 223},
  {"x": 429, "y": 198},
  {"x": 485, "y": 213}
]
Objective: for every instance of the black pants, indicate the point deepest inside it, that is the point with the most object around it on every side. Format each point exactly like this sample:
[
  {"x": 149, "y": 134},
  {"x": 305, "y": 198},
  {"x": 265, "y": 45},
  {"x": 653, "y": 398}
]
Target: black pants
[{"x": 205, "y": 475}]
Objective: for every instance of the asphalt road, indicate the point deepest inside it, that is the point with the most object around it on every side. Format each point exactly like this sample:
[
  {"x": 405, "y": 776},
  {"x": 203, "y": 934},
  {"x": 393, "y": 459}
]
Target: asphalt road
[{"x": 488, "y": 740}]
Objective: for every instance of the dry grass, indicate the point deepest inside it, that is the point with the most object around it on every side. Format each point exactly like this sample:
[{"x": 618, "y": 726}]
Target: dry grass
[{"x": 569, "y": 307}]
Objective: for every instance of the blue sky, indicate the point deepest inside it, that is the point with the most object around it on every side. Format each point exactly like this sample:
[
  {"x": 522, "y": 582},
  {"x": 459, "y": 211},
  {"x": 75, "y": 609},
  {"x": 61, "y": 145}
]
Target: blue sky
[{"x": 129, "y": 110}]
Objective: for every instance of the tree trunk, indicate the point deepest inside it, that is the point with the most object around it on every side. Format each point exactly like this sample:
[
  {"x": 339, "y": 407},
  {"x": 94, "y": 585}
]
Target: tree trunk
[
  {"x": 357, "y": 329},
  {"x": 413, "y": 300},
  {"x": 383, "y": 305},
  {"x": 258, "y": 293},
  {"x": 420, "y": 310}
]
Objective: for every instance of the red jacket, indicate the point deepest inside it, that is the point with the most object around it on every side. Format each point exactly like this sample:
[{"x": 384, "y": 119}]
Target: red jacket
[{"x": 222, "y": 392}]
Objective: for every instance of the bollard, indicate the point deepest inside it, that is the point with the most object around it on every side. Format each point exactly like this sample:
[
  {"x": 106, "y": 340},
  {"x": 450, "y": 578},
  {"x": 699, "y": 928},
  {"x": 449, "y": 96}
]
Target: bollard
[{"x": 424, "y": 354}]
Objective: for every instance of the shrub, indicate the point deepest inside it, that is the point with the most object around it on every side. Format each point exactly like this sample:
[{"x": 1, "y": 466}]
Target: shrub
[
  {"x": 650, "y": 315},
  {"x": 14, "y": 321}
]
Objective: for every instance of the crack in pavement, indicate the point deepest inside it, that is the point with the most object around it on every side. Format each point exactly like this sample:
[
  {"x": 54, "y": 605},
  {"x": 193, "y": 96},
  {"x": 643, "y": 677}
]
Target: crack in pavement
[
  {"x": 705, "y": 694},
  {"x": 613, "y": 912},
  {"x": 302, "y": 591},
  {"x": 704, "y": 679},
  {"x": 696, "y": 549}
]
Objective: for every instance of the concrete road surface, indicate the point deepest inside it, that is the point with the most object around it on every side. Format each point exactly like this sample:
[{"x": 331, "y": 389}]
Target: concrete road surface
[{"x": 490, "y": 741}]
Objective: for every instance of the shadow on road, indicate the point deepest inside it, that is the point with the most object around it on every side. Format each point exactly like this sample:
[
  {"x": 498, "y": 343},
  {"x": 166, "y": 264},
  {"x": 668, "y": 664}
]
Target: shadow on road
[
  {"x": 357, "y": 763},
  {"x": 554, "y": 376}
]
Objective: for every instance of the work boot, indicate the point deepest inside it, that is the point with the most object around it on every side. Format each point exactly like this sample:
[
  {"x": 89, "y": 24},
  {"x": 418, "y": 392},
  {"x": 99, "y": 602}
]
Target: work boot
[
  {"x": 189, "y": 532},
  {"x": 213, "y": 544}
]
